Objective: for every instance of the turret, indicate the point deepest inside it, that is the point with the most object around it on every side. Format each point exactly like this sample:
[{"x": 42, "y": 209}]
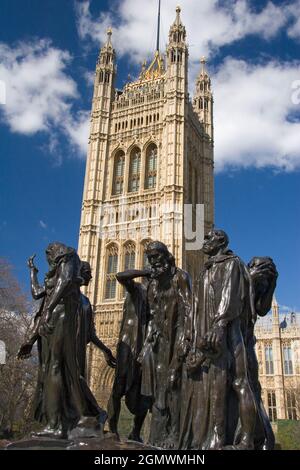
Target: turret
[
  {"x": 203, "y": 99},
  {"x": 105, "y": 70},
  {"x": 177, "y": 54}
]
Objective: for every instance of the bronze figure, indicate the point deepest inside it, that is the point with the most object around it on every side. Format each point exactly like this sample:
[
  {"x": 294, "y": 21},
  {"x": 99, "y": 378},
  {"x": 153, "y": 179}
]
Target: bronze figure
[
  {"x": 217, "y": 390},
  {"x": 169, "y": 297},
  {"x": 127, "y": 380},
  {"x": 86, "y": 328},
  {"x": 186, "y": 356},
  {"x": 263, "y": 275},
  {"x": 63, "y": 400}
]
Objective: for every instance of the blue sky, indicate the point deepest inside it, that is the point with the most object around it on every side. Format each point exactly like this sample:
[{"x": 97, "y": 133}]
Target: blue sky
[{"x": 47, "y": 58}]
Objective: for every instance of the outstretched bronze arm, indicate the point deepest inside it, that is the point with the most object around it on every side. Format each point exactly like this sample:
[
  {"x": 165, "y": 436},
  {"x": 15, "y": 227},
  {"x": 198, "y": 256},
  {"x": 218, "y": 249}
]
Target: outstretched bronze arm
[
  {"x": 37, "y": 292},
  {"x": 109, "y": 357},
  {"x": 130, "y": 274}
]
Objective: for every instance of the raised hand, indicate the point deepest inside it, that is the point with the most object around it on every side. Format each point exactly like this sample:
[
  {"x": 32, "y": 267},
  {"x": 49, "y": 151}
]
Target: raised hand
[{"x": 30, "y": 263}]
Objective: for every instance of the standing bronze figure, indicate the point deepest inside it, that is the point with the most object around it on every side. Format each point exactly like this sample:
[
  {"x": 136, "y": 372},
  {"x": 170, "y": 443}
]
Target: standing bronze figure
[
  {"x": 263, "y": 274},
  {"x": 86, "y": 328},
  {"x": 63, "y": 398},
  {"x": 127, "y": 380},
  {"x": 218, "y": 393},
  {"x": 169, "y": 297}
]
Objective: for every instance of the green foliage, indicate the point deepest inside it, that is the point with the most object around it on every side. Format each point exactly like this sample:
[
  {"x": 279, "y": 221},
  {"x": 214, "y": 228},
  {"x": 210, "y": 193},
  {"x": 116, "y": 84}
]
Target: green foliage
[
  {"x": 288, "y": 434},
  {"x": 125, "y": 421},
  {"x": 126, "y": 424}
]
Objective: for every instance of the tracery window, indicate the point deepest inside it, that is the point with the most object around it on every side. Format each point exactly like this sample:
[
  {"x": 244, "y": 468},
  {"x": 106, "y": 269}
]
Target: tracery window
[
  {"x": 272, "y": 409},
  {"x": 118, "y": 179},
  {"x": 129, "y": 256},
  {"x": 269, "y": 359},
  {"x": 134, "y": 170},
  {"x": 291, "y": 404},
  {"x": 111, "y": 271},
  {"x": 151, "y": 167},
  {"x": 288, "y": 360}
]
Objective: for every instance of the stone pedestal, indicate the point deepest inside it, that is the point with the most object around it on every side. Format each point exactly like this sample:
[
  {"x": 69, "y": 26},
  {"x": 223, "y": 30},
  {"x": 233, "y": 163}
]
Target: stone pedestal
[{"x": 107, "y": 442}]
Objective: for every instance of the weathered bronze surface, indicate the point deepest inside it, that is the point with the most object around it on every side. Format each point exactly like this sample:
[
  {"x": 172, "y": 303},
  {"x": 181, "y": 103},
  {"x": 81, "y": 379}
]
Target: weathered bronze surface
[
  {"x": 186, "y": 355},
  {"x": 127, "y": 381},
  {"x": 62, "y": 328},
  {"x": 170, "y": 299}
]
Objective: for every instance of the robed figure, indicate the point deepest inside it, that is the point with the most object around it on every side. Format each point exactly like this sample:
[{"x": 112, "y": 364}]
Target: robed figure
[
  {"x": 169, "y": 298},
  {"x": 63, "y": 398},
  {"x": 127, "y": 381},
  {"x": 218, "y": 397}
]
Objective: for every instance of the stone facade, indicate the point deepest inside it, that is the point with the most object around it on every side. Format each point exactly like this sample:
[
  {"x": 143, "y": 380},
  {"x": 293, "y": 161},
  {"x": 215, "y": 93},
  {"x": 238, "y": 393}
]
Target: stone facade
[
  {"x": 278, "y": 353},
  {"x": 150, "y": 154}
]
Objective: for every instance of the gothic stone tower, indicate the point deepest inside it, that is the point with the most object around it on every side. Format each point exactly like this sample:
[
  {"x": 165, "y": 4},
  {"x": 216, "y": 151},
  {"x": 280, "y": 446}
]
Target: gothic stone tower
[{"x": 150, "y": 154}]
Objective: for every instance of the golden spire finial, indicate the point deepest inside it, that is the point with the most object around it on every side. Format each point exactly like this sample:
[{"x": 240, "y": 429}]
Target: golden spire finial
[
  {"x": 178, "y": 10},
  {"x": 203, "y": 63},
  {"x": 109, "y": 34},
  {"x": 143, "y": 69}
]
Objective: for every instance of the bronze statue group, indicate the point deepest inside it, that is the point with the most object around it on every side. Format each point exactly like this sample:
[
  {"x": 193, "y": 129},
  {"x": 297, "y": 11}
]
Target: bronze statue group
[{"x": 185, "y": 355}]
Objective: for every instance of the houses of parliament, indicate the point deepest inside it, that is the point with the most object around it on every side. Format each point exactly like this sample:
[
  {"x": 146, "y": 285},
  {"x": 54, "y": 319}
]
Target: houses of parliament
[{"x": 150, "y": 157}]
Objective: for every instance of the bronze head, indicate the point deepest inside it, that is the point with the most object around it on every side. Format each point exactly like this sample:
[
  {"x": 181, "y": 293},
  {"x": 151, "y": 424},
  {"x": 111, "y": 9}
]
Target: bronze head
[
  {"x": 85, "y": 273},
  {"x": 214, "y": 241},
  {"x": 160, "y": 259}
]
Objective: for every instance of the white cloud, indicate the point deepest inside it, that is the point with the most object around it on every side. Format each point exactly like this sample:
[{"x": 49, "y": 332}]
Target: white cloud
[
  {"x": 294, "y": 28},
  {"x": 210, "y": 24},
  {"x": 253, "y": 108},
  {"x": 89, "y": 77},
  {"x": 77, "y": 128},
  {"x": 253, "y": 103},
  {"x": 42, "y": 224},
  {"x": 39, "y": 92},
  {"x": 286, "y": 308}
]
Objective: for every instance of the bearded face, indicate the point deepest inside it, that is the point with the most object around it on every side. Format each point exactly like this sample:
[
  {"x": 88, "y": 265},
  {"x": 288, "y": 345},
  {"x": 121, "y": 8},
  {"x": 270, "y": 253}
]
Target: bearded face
[{"x": 159, "y": 263}]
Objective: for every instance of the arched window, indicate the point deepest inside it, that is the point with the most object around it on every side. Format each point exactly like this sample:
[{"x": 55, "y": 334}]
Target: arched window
[
  {"x": 111, "y": 271},
  {"x": 272, "y": 407},
  {"x": 129, "y": 258},
  {"x": 118, "y": 179},
  {"x": 269, "y": 359},
  {"x": 151, "y": 167},
  {"x": 134, "y": 170},
  {"x": 291, "y": 403},
  {"x": 288, "y": 359}
]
